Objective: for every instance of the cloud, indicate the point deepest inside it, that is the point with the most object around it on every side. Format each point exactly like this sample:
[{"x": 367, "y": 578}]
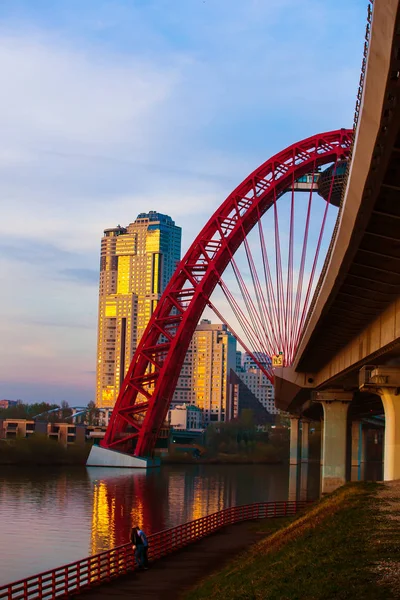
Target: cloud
[
  {"x": 70, "y": 324},
  {"x": 81, "y": 276},
  {"x": 31, "y": 251},
  {"x": 74, "y": 96},
  {"x": 99, "y": 124}
]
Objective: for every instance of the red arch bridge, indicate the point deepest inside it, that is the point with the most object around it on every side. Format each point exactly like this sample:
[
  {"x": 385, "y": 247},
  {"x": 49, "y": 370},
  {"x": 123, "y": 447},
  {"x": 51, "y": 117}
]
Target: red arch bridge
[{"x": 263, "y": 250}]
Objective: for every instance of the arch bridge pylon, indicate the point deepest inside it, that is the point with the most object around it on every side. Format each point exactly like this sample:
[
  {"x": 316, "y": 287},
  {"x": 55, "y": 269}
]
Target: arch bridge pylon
[{"x": 267, "y": 314}]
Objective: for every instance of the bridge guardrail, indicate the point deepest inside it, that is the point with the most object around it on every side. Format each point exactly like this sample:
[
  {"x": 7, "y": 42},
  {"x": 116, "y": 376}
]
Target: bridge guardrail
[{"x": 88, "y": 572}]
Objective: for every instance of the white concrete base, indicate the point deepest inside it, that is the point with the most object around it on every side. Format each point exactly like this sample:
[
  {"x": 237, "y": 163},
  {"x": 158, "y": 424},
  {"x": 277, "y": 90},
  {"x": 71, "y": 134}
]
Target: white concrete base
[{"x": 103, "y": 457}]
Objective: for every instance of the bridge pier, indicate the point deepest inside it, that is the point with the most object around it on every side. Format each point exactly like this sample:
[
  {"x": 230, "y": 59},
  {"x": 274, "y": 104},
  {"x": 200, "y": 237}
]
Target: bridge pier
[
  {"x": 294, "y": 439},
  {"x": 358, "y": 448},
  {"x": 104, "y": 457},
  {"x": 322, "y": 442},
  {"x": 335, "y": 405},
  {"x": 305, "y": 431},
  {"x": 391, "y": 405}
]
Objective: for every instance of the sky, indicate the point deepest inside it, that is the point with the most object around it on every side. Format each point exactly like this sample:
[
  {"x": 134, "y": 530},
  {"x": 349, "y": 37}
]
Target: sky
[{"x": 109, "y": 108}]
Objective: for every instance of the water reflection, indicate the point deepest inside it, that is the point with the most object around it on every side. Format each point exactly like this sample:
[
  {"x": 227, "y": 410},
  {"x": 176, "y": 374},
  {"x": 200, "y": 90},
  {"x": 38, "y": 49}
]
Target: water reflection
[
  {"x": 44, "y": 514},
  {"x": 305, "y": 477},
  {"x": 52, "y": 517},
  {"x": 166, "y": 497}
]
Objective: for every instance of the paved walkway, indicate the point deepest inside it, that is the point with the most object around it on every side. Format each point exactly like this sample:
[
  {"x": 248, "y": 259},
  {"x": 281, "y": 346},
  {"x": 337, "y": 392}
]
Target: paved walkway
[{"x": 171, "y": 576}]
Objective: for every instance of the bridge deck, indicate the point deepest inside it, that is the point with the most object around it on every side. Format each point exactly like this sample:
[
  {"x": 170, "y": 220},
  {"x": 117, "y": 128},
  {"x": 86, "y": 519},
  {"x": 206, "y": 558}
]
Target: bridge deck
[{"x": 172, "y": 576}]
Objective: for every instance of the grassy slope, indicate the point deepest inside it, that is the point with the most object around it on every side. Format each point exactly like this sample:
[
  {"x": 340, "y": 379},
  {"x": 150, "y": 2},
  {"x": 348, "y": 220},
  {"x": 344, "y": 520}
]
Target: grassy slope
[{"x": 328, "y": 553}]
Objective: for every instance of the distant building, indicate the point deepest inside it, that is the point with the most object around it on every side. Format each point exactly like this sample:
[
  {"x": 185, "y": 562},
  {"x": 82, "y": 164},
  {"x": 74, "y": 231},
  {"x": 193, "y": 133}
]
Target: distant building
[
  {"x": 184, "y": 390},
  {"x": 8, "y": 403},
  {"x": 203, "y": 381},
  {"x": 186, "y": 417},
  {"x": 136, "y": 264},
  {"x": 261, "y": 387},
  {"x": 239, "y": 366},
  {"x": 65, "y": 433},
  {"x": 249, "y": 362},
  {"x": 244, "y": 398}
]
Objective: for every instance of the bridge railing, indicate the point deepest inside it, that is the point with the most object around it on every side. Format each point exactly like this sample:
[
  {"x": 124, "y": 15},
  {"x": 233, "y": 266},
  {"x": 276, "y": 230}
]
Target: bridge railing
[{"x": 105, "y": 566}]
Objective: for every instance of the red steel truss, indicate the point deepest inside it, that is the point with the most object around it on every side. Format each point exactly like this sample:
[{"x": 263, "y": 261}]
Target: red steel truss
[{"x": 146, "y": 392}]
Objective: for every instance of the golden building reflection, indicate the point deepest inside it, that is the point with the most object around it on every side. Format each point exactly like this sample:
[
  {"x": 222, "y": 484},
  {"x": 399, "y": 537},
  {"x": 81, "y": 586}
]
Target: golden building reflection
[
  {"x": 103, "y": 519},
  {"x": 166, "y": 497},
  {"x": 117, "y": 505}
]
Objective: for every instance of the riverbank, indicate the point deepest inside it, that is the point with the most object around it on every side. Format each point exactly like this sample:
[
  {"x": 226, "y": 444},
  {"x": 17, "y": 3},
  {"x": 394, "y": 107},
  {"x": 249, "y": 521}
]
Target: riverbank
[
  {"x": 345, "y": 547},
  {"x": 221, "y": 459},
  {"x": 39, "y": 450},
  {"x": 254, "y": 453}
]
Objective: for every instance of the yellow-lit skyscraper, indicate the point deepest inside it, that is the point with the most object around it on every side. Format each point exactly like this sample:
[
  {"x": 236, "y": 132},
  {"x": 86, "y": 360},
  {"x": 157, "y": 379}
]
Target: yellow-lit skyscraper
[
  {"x": 135, "y": 266},
  {"x": 204, "y": 378}
]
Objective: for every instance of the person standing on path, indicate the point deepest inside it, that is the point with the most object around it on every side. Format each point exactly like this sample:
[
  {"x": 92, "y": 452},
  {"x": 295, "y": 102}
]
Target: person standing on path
[
  {"x": 143, "y": 537},
  {"x": 138, "y": 547}
]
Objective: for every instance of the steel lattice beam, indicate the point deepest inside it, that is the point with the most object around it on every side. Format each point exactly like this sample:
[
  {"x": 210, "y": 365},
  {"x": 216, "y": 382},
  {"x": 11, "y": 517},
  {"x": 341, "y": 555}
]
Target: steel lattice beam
[{"x": 156, "y": 365}]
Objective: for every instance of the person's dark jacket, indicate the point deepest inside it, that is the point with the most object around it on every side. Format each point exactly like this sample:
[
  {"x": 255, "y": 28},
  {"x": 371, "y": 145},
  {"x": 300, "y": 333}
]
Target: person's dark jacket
[{"x": 135, "y": 538}]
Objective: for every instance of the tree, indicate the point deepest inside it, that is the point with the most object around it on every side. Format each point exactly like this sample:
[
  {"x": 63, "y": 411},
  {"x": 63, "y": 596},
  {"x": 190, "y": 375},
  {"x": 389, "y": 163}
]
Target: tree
[
  {"x": 40, "y": 409},
  {"x": 14, "y": 412},
  {"x": 65, "y": 410},
  {"x": 92, "y": 414}
]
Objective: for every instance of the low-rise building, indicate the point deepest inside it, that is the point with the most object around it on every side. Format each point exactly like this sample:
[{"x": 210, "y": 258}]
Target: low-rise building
[
  {"x": 187, "y": 417},
  {"x": 64, "y": 433},
  {"x": 13, "y": 428},
  {"x": 8, "y": 403}
]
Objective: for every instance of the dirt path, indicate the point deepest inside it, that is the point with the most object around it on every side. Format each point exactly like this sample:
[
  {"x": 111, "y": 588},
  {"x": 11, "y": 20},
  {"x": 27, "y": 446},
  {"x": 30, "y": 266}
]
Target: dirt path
[{"x": 171, "y": 576}]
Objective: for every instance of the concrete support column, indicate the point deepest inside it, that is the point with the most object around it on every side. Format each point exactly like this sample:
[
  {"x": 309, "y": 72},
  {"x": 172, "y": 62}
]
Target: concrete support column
[
  {"x": 335, "y": 405},
  {"x": 305, "y": 430},
  {"x": 391, "y": 405},
  {"x": 363, "y": 445},
  {"x": 293, "y": 482},
  {"x": 356, "y": 443},
  {"x": 358, "y": 447},
  {"x": 304, "y": 481},
  {"x": 294, "y": 440},
  {"x": 322, "y": 442}
]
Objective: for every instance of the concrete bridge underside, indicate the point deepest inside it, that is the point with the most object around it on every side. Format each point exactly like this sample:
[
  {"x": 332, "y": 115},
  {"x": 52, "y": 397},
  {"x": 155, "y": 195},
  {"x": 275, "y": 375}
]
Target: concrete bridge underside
[{"x": 355, "y": 316}]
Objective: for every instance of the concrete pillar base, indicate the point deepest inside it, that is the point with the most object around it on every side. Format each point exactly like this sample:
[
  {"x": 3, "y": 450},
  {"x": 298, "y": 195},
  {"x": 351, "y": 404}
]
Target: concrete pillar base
[
  {"x": 294, "y": 440},
  {"x": 391, "y": 405},
  {"x": 304, "y": 481},
  {"x": 335, "y": 404},
  {"x": 293, "y": 482},
  {"x": 103, "y": 457},
  {"x": 305, "y": 431},
  {"x": 330, "y": 484},
  {"x": 322, "y": 442}
]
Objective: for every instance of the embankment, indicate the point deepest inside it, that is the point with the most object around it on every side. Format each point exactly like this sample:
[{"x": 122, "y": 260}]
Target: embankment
[
  {"x": 39, "y": 450},
  {"x": 345, "y": 547}
]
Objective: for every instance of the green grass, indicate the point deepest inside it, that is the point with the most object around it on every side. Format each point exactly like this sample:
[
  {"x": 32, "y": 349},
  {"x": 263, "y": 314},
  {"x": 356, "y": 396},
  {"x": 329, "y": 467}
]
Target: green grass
[
  {"x": 270, "y": 526},
  {"x": 328, "y": 553}
]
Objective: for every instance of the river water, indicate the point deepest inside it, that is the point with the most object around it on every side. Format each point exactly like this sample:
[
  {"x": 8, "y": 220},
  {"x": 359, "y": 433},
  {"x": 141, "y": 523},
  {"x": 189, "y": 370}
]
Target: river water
[
  {"x": 49, "y": 517},
  {"x": 52, "y": 517}
]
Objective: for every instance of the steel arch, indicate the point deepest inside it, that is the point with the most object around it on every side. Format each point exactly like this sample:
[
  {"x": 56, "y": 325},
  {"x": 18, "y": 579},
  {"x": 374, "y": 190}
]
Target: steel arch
[{"x": 148, "y": 387}]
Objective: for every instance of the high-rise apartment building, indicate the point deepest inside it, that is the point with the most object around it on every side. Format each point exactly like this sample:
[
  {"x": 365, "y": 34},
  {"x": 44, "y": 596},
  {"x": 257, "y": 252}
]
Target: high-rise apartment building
[
  {"x": 259, "y": 385},
  {"x": 239, "y": 365},
  {"x": 248, "y": 361},
  {"x": 204, "y": 378},
  {"x": 135, "y": 266}
]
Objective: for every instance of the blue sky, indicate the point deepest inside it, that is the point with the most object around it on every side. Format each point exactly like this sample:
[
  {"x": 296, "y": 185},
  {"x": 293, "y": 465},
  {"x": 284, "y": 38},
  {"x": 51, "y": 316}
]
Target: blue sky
[{"x": 111, "y": 108}]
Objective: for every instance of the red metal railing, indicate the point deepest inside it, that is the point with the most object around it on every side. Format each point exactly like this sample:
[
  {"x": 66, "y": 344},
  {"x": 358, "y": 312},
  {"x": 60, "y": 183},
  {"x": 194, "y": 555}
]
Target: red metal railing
[{"x": 83, "y": 574}]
